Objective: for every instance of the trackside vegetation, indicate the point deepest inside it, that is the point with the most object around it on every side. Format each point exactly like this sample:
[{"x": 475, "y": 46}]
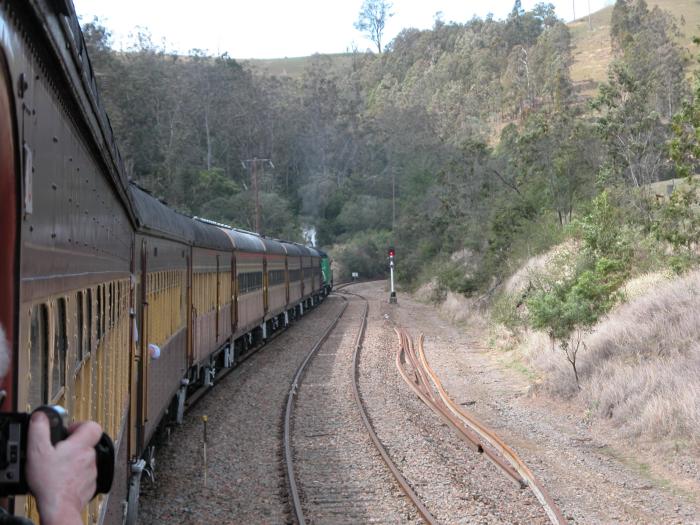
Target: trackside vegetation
[{"x": 470, "y": 149}]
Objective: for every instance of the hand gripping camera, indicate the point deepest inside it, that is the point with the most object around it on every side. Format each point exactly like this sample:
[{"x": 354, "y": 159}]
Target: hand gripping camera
[{"x": 14, "y": 428}]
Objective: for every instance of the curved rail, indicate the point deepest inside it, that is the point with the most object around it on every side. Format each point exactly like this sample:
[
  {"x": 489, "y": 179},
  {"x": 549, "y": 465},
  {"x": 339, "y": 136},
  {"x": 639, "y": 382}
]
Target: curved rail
[
  {"x": 403, "y": 483},
  {"x": 291, "y": 396},
  {"x": 425, "y": 382},
  {"x": 293, "y": 488}
]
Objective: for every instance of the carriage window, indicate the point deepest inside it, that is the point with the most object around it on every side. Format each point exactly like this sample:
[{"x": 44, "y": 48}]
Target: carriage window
[
  {"x": 103, "y": 311},
  {"x": 117, "y": 302},
  {"x": 99, "y": 313},
  {"x": 60, "y": 348},
  {"x": 88, "y": 331},
  {"x": 250, "y": 281},
  {"x": 39, "y": 341},
  {"x": 110, "y": 306},
  {"x": 276, "y": 277},
  {"x": 80, "y": 307}
]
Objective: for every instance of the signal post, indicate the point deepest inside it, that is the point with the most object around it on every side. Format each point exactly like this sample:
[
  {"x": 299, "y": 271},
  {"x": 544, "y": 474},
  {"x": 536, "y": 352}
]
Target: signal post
[{"x": 392, "y": 294}]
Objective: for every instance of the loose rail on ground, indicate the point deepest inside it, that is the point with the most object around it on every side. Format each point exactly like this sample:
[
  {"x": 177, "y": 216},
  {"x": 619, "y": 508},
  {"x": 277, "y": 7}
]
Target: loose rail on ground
[{"x": 427, "y": 386}]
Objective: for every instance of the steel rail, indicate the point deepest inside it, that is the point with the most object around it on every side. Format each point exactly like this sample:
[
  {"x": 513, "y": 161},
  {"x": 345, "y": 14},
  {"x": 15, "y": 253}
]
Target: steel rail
[
  {"x": 289, "y": 460},
  {"x": 400, "y": 479},
  {"x": 422, "y": 388},
  {"x": 419, "y": 389},
  {"x": 424, "y": 384},
  {"x": 287, "y": 437},
  {"x": 550, "y": 507}
]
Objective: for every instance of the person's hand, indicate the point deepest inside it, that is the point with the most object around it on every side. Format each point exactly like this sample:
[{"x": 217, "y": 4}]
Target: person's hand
[{"x": 62, "y": 478}]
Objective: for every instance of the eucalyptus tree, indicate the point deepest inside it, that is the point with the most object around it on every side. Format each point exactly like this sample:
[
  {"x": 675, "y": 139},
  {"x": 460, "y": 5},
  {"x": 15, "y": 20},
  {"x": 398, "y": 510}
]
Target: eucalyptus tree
[
  {"x": 372, "y": 20},
  {"x": 645, "y": 86}
]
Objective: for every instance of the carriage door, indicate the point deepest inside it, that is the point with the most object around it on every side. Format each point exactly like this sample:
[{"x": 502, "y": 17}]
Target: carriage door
[
  {"x": 234, "y": 296},
  {"x": 8, "y": 231},
  {"x": 218, "y": 296},
  {"x": 301, "y": 274},
  {"x": 265, "y": 285},
  {"x": 286, "y": 280},
  {"x": 142, "y": 355},
  {"x": 190, "y": 309}
]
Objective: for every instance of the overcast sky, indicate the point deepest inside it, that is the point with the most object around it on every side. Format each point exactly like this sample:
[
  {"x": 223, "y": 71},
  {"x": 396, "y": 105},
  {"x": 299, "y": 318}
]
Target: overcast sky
[{"x": 285, "y": 28}]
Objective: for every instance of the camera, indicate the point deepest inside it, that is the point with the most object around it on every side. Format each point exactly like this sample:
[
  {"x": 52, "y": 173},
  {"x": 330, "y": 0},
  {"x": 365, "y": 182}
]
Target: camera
[{"x": 14, "y": 428}]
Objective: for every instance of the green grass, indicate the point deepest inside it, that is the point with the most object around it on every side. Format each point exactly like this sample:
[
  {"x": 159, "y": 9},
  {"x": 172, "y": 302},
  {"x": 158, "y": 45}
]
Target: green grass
[
  {"x": 645, "y": 471},
  {"x": 518, "y": 366}
]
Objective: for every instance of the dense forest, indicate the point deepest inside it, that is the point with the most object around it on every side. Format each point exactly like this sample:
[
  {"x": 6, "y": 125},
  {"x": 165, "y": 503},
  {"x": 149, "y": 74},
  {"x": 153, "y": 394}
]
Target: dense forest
[
  {"x": 464, "y": 139},
  {"x": 470, "y": 149},
  {"x": 466, "y": 146}
]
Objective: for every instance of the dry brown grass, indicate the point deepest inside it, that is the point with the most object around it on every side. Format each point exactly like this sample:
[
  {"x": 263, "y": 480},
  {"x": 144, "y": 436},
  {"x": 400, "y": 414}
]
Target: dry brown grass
[
  {"x": 459, "y": 309},
  {"x": 592, "y": 51},
  {"x": 555, "y": 262},
  {"x": 641, "y": 365},
  {"x": 427, "y": 292}
]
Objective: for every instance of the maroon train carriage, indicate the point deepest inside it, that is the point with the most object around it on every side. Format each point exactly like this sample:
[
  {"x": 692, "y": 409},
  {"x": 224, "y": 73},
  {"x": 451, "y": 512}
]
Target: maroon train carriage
[
  {"x": 66, "y": 234},
  {"x": 212, "y": 283},
  {"x": 117, "y": 307},
  {"x": 307, "y": 289},
  {"x": 275, "y": 284},
  {"x": 294, "y": 276},
  {"x": 162, "y": 272},
  {"x": 247, "y": 265}
]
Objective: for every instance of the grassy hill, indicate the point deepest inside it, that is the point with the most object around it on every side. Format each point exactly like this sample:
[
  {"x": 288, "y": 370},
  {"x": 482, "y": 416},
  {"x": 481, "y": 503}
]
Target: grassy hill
[
  {"x": 293, "y": 66},
  {"x": 592, "y": 52}
]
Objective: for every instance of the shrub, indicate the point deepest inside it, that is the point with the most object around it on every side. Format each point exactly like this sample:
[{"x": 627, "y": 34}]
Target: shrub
[{"x": 568, "y": 307}]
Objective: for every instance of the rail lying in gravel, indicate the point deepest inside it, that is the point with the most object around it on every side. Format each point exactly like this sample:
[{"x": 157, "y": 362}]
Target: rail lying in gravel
[
  {"x": 293, "y": 485},
  {"x": 417, "y": 373}
]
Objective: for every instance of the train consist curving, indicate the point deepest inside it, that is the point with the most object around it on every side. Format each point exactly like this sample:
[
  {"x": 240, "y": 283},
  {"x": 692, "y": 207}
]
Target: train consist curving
[{"x": 118, "y": 307}]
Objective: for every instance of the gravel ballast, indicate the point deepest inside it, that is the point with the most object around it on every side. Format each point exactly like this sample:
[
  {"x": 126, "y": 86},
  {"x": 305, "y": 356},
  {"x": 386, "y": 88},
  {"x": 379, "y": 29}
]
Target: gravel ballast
[{"x": 593, "y": 477}]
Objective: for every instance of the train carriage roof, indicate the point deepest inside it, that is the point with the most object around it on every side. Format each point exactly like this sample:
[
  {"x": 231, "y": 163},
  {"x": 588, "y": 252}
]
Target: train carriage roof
[
  {"x": 305, "y": 252},
  {"x": 273, "y": 246},
  {"x": 291, "y": 248},
  {"x": 60, "y": 29},
  {"x": 209, "y": 236},
  {"x": 245, "y": 241},
  {"x": 315, "y": 252},
  {"x": 156, "y": 218}
]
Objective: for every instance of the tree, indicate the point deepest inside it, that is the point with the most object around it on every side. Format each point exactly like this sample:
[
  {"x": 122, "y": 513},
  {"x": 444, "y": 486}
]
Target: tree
[
  {"x": 372, "y": 19},
  {"x": 632, "y": 131},
  {"x": 569, "y": 306},
  {"x": 646, "y": 41},
  {"x": 678, "y": 220}
]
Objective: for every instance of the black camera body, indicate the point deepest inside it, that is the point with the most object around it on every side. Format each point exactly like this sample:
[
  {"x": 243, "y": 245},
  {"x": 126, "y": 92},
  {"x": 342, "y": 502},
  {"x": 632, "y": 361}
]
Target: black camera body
[{"x": 14, "y": 428}]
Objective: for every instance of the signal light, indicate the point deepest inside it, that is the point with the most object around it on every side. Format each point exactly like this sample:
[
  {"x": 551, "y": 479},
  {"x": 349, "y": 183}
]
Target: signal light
[{"x": 392, "y": 252}]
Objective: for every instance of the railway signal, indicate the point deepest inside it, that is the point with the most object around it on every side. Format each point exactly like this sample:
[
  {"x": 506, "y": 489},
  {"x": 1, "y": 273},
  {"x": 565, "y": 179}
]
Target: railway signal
[{"x": 392, "y": 295}]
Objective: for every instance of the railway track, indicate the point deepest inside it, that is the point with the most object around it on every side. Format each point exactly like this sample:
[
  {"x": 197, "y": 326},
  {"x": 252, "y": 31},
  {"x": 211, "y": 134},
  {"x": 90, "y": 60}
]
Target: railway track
[
  {"x": 339, "y": 476},
  {"x": 333, "y": 475},
  {"x": 245, "y": 483},
  {"x": 413, "y": 366}
]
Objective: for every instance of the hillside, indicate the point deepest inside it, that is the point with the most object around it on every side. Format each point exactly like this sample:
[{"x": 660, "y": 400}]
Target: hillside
[
  {"x": 592, "y": 52},
  {"x": 293, "y": 66}
]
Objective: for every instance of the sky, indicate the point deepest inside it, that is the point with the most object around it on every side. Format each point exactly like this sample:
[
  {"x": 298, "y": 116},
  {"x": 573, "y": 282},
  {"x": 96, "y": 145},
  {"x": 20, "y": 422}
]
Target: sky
[{"x": 285, "y": 28}]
